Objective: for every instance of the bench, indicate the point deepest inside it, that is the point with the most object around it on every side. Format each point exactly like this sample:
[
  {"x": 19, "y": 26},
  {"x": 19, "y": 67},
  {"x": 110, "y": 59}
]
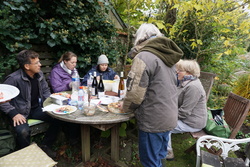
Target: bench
[
  {"x": 235, "y": 112},
  {"x": 47, "y": 59},
  {"x": 225, "y": 145}
]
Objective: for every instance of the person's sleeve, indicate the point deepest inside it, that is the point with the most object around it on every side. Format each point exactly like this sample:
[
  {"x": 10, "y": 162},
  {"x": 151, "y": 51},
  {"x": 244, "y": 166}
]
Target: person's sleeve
[
  {"x": 45, "y": 87},
  {"x": 7, "y": 108},
  {"x": 56, "y": 82},
  {"x": 85, "y": 80},
  {"x": 135, "y": 91},
  {"x": 86, "y": 76},
  {"x": 190, "y": 100},
  {"x": 112, "y": 75}
]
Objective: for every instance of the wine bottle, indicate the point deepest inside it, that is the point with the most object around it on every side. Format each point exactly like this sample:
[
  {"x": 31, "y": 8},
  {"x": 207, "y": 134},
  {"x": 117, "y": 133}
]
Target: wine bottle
[
  {"x": 94, "y": 85},
  {"x": 100, "y": 88},
  {"x": 121, "y": 87}
]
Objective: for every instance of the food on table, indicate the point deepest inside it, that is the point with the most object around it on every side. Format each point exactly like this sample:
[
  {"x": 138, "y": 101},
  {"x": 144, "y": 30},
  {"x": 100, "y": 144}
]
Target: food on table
[
  {"x": 114, "y": 108},
  {"x": 64, "y": 94},
  {"x": 65, "y": 109},
  {"x": 1, "y": 95},
  {"x": 102, "y": 108}
]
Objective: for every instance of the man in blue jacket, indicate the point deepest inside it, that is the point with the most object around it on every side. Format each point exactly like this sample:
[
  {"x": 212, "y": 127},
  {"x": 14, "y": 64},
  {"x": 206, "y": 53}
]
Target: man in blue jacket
[{"x": 28, "y": 104}]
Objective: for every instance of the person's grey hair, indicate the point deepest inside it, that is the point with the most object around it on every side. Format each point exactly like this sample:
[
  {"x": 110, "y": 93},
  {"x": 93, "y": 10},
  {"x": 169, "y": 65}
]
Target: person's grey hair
[
  {"x": 190, "y": 66},
  {"x": 145, "y": 31}
]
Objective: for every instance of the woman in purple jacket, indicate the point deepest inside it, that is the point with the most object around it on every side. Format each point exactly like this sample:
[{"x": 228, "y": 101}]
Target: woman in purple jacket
[
  {"x": 60, "y": 76},
  {"x": 61, "y": 80}
]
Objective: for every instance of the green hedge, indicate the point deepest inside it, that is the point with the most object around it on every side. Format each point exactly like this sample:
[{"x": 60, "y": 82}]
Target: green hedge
[{"x": 81, "y": 26}]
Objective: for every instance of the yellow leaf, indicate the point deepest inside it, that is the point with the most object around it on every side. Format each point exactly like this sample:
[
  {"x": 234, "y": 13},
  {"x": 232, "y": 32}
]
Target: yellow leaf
[
  {"x": 198, "y": 7},
  {"x": 226, "y": 43},
  {"x": 199, "y": 42},
  {"x": 160, "y": 25},
  {"x": 228, "y": 52},
  {"x": 219, "y": 56},
  {"x": 193, "y": 45}
]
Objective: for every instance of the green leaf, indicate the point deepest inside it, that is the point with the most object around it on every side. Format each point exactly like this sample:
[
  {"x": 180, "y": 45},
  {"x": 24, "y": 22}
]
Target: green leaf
[{"x": 51, "y": 43}]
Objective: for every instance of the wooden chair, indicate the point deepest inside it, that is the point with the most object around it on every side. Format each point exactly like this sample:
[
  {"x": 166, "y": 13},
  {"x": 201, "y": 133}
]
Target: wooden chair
[
  {"x": 207, "y": 81},
  {"x": 235, "y": 112},
  {"x": 225, "y": 145}
]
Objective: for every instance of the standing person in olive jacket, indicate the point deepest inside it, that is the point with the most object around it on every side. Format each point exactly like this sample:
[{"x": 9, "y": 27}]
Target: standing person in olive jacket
[
  {"x": 28, "y": 104},
  {"x": 152, "y": 96}
]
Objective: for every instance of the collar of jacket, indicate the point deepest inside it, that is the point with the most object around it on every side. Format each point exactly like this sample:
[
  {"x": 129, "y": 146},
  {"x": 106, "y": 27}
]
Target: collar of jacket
[
  {"x": 24, "y": 75},
  {"x": 165, "y": 49},
  {"x": 184, "y": 83}
]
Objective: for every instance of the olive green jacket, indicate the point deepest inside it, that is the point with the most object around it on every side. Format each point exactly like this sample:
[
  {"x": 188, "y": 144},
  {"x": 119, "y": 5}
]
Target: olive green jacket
[{"x": 152, "y": 86}]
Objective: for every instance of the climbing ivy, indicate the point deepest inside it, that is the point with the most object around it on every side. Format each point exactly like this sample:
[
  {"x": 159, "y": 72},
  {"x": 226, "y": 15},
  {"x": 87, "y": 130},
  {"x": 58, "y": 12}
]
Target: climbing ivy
[{"x": 81, "y": 26}]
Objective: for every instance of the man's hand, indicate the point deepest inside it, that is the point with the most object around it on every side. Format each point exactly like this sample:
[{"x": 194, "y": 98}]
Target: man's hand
[
  {"x": 19, "y": 119},
  {"x": 120, "y": 105}
]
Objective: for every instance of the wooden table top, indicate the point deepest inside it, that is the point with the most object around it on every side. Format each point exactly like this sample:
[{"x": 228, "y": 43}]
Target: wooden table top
[{"x": 98, "y": 118}]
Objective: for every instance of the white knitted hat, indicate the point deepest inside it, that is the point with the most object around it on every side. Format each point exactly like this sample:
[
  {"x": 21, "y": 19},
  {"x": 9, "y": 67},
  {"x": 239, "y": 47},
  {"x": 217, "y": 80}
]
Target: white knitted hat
[{"x": 103, "y": 60}]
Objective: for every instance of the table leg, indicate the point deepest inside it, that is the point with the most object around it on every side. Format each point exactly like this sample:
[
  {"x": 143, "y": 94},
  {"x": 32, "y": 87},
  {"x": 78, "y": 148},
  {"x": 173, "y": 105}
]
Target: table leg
[
  {"x": 85, "y": 137},
  {"x": 115, "y": 150}
]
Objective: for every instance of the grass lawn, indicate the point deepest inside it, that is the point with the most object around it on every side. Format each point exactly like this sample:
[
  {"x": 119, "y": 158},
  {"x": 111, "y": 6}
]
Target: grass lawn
[{"x": 180, "y": 142}]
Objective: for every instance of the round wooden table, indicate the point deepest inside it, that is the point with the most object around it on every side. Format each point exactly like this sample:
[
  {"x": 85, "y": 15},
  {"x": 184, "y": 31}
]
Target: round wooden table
[{"x": 101, "y": 120}]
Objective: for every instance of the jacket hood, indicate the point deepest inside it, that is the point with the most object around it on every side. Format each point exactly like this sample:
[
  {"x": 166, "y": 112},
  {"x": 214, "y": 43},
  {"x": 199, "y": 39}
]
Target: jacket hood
[{"x": 165, "y": 49}]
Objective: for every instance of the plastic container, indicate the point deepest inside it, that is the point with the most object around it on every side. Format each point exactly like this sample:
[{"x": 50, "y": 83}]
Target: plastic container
[
  {"x": 80, "y": 101},
  {"x": 75, "y": 81}
]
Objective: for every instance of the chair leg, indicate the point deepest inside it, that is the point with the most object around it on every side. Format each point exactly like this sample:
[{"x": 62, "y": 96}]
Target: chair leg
[
  {"x": 198, "y": 161},
  {"x": 192, "y": 148}
]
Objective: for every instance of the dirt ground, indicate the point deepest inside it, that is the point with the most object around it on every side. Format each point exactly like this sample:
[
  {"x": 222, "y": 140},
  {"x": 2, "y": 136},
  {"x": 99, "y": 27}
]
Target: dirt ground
[{"x": 70, "y": 155}]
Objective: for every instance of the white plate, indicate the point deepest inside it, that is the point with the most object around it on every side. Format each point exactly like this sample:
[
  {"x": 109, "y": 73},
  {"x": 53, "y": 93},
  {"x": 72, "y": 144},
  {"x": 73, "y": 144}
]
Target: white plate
[
  {"x": 9, "y": 92},
  {"x": 108, "y": 99},
  {"x": 73, "y": 109}
]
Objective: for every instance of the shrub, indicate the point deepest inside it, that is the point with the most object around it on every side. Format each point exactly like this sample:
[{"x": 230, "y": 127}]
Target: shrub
[{"x": 80, "y": 26}]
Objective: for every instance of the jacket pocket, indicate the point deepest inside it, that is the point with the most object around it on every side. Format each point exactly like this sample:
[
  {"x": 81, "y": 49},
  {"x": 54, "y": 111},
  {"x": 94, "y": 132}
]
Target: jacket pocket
[{"x": 130, "y": 80}]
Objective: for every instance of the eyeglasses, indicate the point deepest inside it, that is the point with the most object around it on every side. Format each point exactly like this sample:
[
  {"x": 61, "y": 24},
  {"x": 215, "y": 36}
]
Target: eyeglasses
[
  {"x": 180, "y": 71},
  {"x": 36, "y": 63}
]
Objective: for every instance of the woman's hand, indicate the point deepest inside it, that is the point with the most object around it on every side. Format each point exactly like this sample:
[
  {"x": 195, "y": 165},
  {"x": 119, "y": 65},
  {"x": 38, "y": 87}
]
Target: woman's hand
[{"x": 116, "y": 77}]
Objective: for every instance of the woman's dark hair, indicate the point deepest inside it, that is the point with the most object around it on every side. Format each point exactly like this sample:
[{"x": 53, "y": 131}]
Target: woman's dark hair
[
  {"x": 25, "y": 56},
  {"x": 98, "y": 68},
  {"x": 67, "y": 56}
]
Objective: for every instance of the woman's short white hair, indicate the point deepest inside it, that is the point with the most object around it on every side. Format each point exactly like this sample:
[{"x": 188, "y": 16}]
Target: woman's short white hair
[
  {"x": 145, "y": 31},
  {"x": 190, "y": 66}
]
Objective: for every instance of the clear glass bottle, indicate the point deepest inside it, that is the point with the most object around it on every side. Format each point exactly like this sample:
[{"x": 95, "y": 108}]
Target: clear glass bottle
[{"x": 90, "y": 80}]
